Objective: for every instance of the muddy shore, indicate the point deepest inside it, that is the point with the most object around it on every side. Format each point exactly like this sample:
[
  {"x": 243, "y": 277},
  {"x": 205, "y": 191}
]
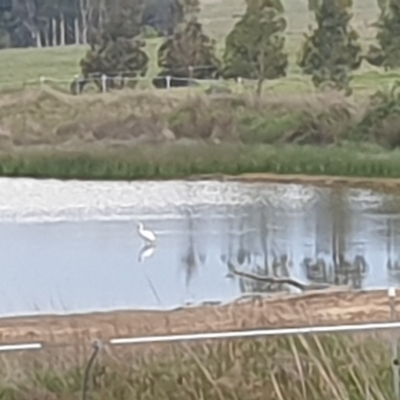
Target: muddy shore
[
  {"x": 316, "y": 308},
  {"x": 380, "y": 184}
]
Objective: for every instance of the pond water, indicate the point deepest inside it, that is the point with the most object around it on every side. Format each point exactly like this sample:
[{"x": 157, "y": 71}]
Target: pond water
[{"x": 68, "y": 247}]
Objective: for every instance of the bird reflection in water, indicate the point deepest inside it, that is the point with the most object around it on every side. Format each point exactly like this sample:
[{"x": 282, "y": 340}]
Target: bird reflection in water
[{"x": 146, "y": 252}]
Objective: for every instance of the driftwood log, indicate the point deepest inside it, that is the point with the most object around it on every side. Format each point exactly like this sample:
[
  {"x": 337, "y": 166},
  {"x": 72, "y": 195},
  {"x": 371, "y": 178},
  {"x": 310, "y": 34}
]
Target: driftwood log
[{"x": 304, "y": 287}]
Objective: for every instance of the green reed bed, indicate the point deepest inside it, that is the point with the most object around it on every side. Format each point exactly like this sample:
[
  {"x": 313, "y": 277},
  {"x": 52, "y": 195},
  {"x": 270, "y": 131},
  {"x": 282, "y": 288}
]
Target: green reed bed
[
  {"x": 179, "y": 161},
  {"x": 312, "y": 368}
]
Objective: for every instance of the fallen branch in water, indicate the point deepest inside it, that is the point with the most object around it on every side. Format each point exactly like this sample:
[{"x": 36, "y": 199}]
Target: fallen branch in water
[{"x": 279, "y": 281}]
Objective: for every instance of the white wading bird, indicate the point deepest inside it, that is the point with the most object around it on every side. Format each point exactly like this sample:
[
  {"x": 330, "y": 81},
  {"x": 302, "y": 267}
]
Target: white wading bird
[{"x": 147, "y": 235}]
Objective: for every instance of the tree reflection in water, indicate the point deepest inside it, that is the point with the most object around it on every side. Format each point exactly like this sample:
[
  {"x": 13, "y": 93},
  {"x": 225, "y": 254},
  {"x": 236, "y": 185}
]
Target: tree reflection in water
[
  {"x": 332, "y": 226},
  {"x": 334, "y": 261},
  {"x": 317, "y": 270},
  {"x": 340, "y": 267},
  {"x": 392, "y": 263},
  {"x": 277, "y": 264},
  {"x": 189, "y": 259}
]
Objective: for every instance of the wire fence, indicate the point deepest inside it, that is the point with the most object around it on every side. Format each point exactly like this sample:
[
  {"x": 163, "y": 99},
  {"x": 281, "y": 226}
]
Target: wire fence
[
  {"x": 185, "y": 77},
  {"x": 104, "y": 83},
  {"x": 76, "y": 85}
]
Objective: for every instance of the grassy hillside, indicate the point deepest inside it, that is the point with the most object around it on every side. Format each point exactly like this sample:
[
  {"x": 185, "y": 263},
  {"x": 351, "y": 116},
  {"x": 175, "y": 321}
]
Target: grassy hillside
[
  {"x": 24, "y": 67},
  {"x": 19, "y": 67}
]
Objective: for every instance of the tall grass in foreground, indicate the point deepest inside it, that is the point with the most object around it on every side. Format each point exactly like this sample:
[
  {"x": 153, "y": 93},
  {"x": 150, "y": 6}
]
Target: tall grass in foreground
[
  {"x": 312, "y": 368},
  {"x": 178, "y": 161}
]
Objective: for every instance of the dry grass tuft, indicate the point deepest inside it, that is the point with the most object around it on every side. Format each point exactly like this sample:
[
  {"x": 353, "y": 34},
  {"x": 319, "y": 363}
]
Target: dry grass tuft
[
  {"x": 313, "y": 368},
  {"x": 47, "y": 116}
]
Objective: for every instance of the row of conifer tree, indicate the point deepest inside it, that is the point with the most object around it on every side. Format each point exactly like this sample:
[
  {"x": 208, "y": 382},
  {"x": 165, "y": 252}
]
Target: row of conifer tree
[{"x": 254, "y": 49}]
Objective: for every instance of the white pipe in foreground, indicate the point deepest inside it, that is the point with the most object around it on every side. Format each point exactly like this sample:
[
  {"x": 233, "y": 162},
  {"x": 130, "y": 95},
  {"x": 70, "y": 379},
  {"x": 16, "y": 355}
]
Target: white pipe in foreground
[
  {"x": 257, "y": 333},
  {"x": 20, "y": 347}
]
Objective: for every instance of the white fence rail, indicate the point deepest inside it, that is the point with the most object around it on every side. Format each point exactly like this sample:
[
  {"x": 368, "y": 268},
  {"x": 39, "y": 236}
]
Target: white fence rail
[
  {"x": 169, "y": 81},
  {"x": 104, "y": 79}
]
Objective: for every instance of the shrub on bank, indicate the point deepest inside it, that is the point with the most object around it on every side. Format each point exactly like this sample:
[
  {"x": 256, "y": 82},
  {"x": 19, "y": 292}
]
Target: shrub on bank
[
  {"x": 125, "y": 137},
  {"x": 249, "y": 120},
  {"x": 381, "y": 121}
]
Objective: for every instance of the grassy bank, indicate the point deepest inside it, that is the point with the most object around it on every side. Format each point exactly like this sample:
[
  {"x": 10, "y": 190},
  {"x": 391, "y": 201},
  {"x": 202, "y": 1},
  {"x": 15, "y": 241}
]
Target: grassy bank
[
  {"x": 332, "y": 367},
  {"x": 182, "y": 161},
  {"x": 176, "y": 134}
]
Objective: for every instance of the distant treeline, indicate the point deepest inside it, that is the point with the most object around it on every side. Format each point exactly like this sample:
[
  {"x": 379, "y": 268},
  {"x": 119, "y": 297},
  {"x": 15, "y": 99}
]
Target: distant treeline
[{"x": 40, "y": 23}]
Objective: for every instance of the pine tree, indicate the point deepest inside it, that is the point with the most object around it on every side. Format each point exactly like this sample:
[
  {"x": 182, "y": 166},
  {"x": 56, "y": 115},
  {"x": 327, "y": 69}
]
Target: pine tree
[
  {"x": 387, "y": 53},
  {"x": 188, "y": 54},
  {"x": 255, "y": 47},
  {"x": 332, "y": 50},
  {"x": 120, "y": 51}
]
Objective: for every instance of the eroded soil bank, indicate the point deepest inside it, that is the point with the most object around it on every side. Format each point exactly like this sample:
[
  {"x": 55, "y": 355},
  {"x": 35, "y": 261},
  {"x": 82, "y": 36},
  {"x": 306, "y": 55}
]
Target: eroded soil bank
[{"x": 330, "y": 307}]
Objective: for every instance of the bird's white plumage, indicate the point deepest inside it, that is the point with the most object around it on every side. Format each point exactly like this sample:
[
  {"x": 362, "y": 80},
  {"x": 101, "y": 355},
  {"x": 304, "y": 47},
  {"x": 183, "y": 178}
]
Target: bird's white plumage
[{"x": 146, "y": 234}]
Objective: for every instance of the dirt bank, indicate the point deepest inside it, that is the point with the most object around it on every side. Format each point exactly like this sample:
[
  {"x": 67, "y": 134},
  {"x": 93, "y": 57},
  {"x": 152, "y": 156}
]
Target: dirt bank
[{"x": 331, "y": 307}]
